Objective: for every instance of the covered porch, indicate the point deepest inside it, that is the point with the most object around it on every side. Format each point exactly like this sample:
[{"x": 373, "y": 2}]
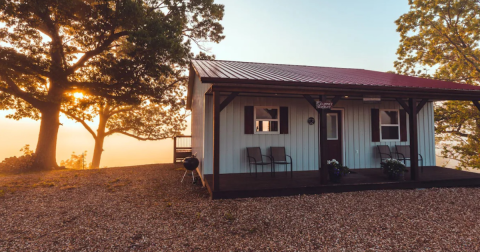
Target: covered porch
[
  {"x": 243, "y": 185},
  {"x": 322, "y": 89}
]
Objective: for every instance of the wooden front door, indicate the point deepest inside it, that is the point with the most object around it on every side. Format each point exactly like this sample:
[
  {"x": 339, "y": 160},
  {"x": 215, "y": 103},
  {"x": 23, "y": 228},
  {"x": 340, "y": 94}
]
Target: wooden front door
[{"x": 334, "y": 135}]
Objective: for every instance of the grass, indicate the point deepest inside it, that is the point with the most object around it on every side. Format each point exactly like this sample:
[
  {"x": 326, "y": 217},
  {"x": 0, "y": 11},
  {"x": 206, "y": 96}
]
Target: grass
[{"x": 44, "y": 184}]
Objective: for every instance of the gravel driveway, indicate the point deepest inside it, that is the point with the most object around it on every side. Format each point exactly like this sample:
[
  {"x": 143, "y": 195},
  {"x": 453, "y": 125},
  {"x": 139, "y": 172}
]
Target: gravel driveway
[{"x": 146, "y": 208}]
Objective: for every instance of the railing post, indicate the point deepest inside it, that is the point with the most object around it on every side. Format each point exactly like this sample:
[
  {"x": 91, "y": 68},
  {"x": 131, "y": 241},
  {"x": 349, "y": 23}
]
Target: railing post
[{"x": 174, "y": 149}]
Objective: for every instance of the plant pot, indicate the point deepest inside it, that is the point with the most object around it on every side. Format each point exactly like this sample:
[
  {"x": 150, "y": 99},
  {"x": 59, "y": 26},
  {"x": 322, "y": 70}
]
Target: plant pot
[
  {"x": 397, "y": 176},
  {"x": 334, "y": 175}
]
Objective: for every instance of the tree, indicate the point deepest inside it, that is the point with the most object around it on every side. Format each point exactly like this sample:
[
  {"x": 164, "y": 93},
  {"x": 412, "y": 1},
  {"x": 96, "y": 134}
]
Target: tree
[
  {"x": 147, "y": 121},
  {"x": 113, "y": 49},
  {"x": 440, "y": 40},
  {"x": 76, "y": 161}
]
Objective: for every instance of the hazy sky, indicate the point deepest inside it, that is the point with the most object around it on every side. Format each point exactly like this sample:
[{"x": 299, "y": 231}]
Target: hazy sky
[{"x": 354, "y": 34}]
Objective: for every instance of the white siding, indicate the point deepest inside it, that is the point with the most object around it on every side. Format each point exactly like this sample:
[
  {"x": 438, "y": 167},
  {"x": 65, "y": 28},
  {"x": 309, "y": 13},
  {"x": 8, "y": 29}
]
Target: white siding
[
  {"x": 198, "y": 118},
  {"x": 302, "y": 141},
  {"x": 361, "y": 152}
]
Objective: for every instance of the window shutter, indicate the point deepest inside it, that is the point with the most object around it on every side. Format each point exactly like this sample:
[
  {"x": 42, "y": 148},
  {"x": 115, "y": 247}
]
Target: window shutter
[
  {"x": 403, "y": 125},
  {"x": 283, "y": 120},
  {"x": 375, "y": 125},
  {"x": 249, "y": 124}
]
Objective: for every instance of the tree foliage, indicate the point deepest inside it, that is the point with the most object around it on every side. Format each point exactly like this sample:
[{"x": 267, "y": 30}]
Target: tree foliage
[
  {"x": 112, "y": 49},
  {"x": 18, "y": 164},
  {"x": 149, "y": 120},
  {"x": 76, "y": 162},
  {"x": 440, "y": 40}
]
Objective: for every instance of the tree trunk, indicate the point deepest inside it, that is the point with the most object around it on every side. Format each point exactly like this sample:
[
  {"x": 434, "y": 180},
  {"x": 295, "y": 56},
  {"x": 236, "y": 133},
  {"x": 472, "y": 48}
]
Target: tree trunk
[
  {"x": 97, "y": 152},
  {"x": 45, "y": 152}
]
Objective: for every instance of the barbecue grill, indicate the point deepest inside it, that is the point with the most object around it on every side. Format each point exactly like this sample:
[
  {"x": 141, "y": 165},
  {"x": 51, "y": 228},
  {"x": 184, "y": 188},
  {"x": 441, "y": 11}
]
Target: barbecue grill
[{"x": 190, "y": 164}]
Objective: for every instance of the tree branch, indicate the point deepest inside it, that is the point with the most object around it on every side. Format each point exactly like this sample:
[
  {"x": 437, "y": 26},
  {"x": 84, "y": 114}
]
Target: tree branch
[
  {"x": 457, "y": 133},
  {"x": 78, "y": 119},
  {"x": 13, "y": 89},
  {"x": 141, "y": 138},
  {"x": 104, "y": 46}
]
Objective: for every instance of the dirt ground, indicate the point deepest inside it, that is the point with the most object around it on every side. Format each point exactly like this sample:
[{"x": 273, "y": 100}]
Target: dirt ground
[{"x": 146, "y": 208}]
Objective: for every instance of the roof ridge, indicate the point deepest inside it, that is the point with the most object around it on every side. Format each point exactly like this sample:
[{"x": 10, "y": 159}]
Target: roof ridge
[{"x": 278, "y": 64}]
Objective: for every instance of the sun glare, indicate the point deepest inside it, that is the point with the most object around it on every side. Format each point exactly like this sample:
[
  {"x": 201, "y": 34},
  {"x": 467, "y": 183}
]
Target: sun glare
[{"x": 78, "y": 95}]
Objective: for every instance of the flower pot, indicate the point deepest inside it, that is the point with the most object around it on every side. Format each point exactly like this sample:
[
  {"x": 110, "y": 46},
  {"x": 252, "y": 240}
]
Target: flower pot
[
  {"x": 334, "y": 174},
  {"x": 397, "y": 176}
]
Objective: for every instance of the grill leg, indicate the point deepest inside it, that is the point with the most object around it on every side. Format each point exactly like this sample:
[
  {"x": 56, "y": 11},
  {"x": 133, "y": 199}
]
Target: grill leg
[
  {"x": 193, "y": 178},
  {"x": 184, "y": 176}
]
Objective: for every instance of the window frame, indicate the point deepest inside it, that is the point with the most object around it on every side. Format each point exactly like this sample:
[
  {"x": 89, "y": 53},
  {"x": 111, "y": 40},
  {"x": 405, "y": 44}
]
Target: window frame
[
  {"x": 270, "y": 120},
  {"x": 391, "y": 125}
]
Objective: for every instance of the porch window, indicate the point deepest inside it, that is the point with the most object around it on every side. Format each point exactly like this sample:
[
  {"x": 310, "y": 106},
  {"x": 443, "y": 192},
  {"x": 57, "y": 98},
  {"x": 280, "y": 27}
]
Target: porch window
[
  {"x": 389, "y": 125},
  {"x": 332, "y": 127},
  {"x": 266, "y": 120}
]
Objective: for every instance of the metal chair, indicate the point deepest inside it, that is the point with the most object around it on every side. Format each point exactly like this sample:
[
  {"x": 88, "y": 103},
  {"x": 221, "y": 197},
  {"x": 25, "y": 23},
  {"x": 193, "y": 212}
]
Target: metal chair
[
  {"x": 403, "y": 152},
  {"x": 255, "y": 157},
  {"x": 384, "y": 152},
  {"x": 279, "y": 156}
]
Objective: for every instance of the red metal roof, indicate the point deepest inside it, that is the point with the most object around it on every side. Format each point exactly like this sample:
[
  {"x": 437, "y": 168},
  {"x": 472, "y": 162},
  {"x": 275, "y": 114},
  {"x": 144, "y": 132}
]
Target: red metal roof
[{"x": 220, "y": 71}]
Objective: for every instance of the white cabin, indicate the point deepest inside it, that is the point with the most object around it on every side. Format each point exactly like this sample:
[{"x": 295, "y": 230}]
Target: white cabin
[{"x": 269, "y": 105}]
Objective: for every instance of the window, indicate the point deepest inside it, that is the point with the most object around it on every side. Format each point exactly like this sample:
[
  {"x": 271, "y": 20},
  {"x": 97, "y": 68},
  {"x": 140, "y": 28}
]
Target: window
[
  {"x": 332, "y": 127},
  {"x": 267, "y": 120},
  {"x": 389, "y": 125}
]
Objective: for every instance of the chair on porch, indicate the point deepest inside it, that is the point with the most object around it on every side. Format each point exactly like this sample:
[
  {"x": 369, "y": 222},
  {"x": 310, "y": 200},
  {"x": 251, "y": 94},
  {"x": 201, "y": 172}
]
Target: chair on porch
[
  {"x": 279, "y": 156},
  {"x": 255, "y": 158},
  {"x": 403, "y": 152},
  {"x": 384, "y": 152}
]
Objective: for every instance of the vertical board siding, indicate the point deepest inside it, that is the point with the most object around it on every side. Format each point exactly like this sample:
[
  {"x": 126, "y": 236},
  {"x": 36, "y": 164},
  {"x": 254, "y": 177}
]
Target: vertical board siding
[
  {"x": 198, "y": 120},
  {"x": 207, "y": 167},
  {"x": 367, "y": 156},
  {"x": 301, "y": 142}
]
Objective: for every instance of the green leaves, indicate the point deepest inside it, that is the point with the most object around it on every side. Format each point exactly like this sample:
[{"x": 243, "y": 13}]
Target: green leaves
[{"x": 440, "y": 40}]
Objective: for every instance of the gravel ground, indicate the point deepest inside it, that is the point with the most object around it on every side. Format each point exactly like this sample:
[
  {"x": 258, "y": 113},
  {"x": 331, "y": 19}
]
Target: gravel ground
[{"x": 146, "y": 208}]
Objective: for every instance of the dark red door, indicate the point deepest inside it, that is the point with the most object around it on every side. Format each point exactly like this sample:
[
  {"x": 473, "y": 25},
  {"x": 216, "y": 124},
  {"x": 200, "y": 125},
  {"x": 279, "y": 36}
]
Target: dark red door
[{"x": 334, "y": 135}]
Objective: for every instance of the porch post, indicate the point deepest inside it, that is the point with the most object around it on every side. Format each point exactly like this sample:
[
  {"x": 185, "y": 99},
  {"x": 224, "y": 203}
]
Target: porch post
[
  {"x": 415, "y": 174},
  {"x": 323, "y": 142},
  {"x": 216, "y": 140}
]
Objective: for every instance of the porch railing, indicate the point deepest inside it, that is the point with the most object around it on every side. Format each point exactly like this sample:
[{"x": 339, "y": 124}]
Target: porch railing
[{"x": 182, "y": 148}]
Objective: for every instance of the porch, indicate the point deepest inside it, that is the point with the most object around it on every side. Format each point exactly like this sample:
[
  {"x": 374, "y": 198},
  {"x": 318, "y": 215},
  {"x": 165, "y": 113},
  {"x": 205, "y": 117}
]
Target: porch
[{"x": 242, "y": 185}]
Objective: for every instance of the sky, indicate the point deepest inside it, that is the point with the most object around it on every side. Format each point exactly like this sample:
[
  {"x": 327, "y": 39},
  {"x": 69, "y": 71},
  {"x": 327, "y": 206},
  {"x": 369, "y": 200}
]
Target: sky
[{"x": 350, "y": 34}]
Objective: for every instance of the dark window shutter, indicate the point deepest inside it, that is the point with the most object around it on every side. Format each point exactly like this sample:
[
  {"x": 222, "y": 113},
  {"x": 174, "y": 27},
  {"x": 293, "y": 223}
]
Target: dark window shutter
[
  {"x": 249, "y": 127},
  {"x": 283, "y": 120},
  {"x": 375, "y": 125},
  {"x": 403, "y": 126}
]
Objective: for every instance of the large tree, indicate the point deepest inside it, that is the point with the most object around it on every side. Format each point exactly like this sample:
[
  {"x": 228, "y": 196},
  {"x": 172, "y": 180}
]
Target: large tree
[
  {"x": 53, "y": 48},
  {"x": 149, "y": 120},
  {"x": 440, "y": 40}
]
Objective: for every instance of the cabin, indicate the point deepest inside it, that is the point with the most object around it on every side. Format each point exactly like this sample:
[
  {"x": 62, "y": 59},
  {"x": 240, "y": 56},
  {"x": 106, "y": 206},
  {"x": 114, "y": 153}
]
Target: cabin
[{"x": 314, "y": 114}]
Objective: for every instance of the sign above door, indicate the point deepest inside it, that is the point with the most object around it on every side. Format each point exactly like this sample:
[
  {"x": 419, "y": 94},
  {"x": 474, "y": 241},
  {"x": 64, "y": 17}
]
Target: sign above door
[{"x": 324, "y": 105}]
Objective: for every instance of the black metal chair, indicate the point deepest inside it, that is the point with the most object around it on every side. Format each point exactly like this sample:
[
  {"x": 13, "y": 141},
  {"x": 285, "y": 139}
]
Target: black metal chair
[
  {"x": 279, "y": 156},
  {"x": 403, "y": 152},
  {"x": 384, "y": 152},
  {"x": 255, "y": 158}
]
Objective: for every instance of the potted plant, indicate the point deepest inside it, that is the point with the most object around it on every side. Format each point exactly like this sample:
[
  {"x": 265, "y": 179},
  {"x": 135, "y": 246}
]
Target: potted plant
[
  {"x": 394, "y": 169},
  {"x": 336, "y": 170}
]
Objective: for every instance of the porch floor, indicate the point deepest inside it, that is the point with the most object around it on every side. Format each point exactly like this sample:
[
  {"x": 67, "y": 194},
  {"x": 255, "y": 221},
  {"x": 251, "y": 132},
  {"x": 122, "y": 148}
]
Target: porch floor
[{"x": 308, "y": 182}]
